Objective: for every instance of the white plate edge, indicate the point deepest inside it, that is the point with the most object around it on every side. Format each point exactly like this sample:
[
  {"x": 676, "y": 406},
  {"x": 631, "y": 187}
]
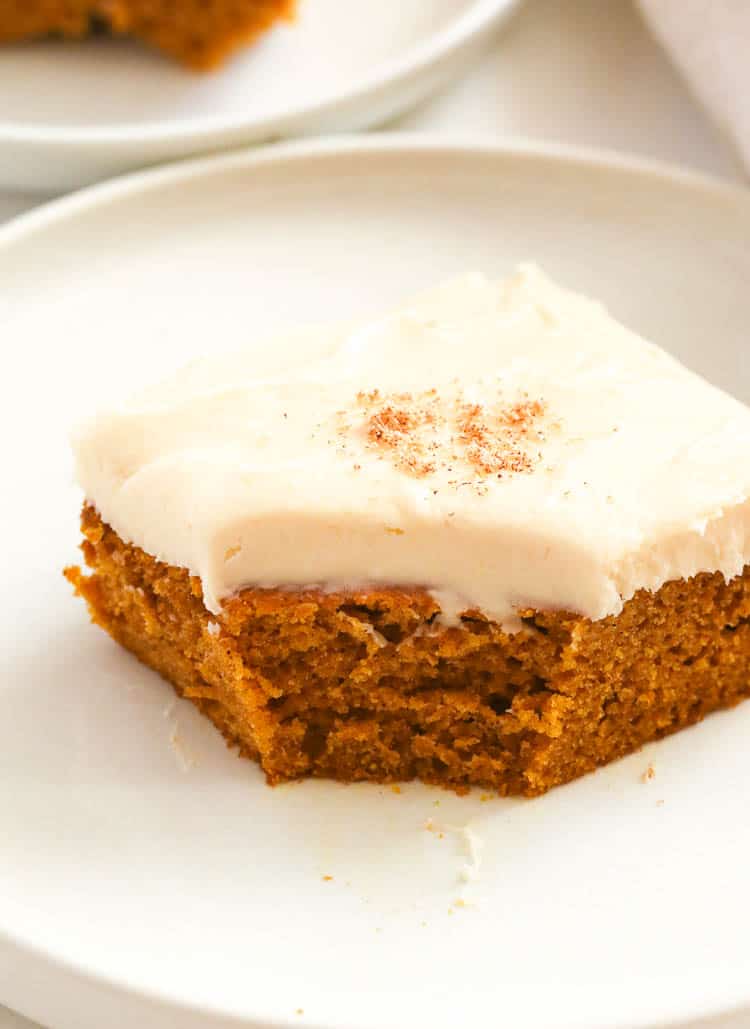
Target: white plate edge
[{"x": 452, "y": 144}]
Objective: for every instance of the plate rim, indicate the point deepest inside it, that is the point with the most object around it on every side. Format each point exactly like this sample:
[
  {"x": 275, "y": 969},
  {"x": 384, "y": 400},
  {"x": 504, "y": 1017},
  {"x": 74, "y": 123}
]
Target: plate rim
[
  {"x": 176, "y": 172},
  {"x": 207, "y": 1016},
  {"x": 48, "y": 215},
  {"x": 429, "y": 54}
]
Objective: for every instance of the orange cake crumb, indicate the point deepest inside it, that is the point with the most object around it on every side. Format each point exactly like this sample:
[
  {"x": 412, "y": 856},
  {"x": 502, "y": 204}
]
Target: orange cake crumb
[{"x": 298, "y": 680}]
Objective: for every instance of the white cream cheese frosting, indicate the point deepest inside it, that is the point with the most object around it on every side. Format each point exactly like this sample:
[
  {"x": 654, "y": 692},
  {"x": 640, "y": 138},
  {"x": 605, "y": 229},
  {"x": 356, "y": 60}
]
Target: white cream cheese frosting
[{"x": 502, "y": 445}]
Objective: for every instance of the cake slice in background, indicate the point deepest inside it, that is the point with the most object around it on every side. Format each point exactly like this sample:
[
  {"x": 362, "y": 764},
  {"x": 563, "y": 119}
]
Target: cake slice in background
[{"x": 198, "y": 33}]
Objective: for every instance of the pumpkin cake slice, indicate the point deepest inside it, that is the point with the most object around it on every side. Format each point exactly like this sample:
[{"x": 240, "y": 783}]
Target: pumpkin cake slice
[
  {"x": 198, "y": 33},
  {"x": 491, "y": 539}
]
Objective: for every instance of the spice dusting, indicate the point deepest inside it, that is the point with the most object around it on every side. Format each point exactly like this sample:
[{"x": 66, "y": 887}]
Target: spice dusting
[{"x": 421, "y": 433}]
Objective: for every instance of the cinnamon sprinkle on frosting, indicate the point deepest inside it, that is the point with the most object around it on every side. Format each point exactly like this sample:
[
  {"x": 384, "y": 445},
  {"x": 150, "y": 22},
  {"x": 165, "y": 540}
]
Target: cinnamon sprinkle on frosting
[{"x": 421, "y": 432}]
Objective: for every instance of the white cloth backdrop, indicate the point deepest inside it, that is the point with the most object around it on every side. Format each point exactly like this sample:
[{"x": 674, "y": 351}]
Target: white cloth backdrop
[
  {"x": 709, "y": 41},
  {"x": 588, "y": 72}
]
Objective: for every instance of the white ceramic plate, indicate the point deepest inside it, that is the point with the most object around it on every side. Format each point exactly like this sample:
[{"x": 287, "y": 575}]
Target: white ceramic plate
[
  {"x": 147, "y": 875},
  {"x": 74, "y": 113}
]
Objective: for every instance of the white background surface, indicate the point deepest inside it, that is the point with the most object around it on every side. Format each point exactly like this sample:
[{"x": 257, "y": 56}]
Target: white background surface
[{"x": 575, "y": 71}]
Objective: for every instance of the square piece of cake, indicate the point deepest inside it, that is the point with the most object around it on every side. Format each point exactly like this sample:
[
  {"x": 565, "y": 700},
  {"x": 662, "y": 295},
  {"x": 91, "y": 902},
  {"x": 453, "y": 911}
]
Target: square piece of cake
[
  {"x": 198, "y": 33},
  {"x": 492, "y": 539}
]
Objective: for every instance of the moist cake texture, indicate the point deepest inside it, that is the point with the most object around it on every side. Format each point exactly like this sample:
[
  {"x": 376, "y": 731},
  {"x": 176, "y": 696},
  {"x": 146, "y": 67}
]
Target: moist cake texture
[
  {"x": 198, "y": 33},
  {"x": 476, "y": 542},
  {"x": 368, "y": 685}
]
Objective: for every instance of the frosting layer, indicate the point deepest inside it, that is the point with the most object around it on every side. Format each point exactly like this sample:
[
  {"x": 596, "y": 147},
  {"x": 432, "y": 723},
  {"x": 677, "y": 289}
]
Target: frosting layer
[{"x": 502, "y": 445}]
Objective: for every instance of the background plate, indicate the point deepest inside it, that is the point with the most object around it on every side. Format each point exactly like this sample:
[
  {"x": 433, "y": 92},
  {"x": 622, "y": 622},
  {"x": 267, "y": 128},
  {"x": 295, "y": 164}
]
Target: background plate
[
  {"x": 73, "y": 113},
  {"x": 147, "y": 876}
]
